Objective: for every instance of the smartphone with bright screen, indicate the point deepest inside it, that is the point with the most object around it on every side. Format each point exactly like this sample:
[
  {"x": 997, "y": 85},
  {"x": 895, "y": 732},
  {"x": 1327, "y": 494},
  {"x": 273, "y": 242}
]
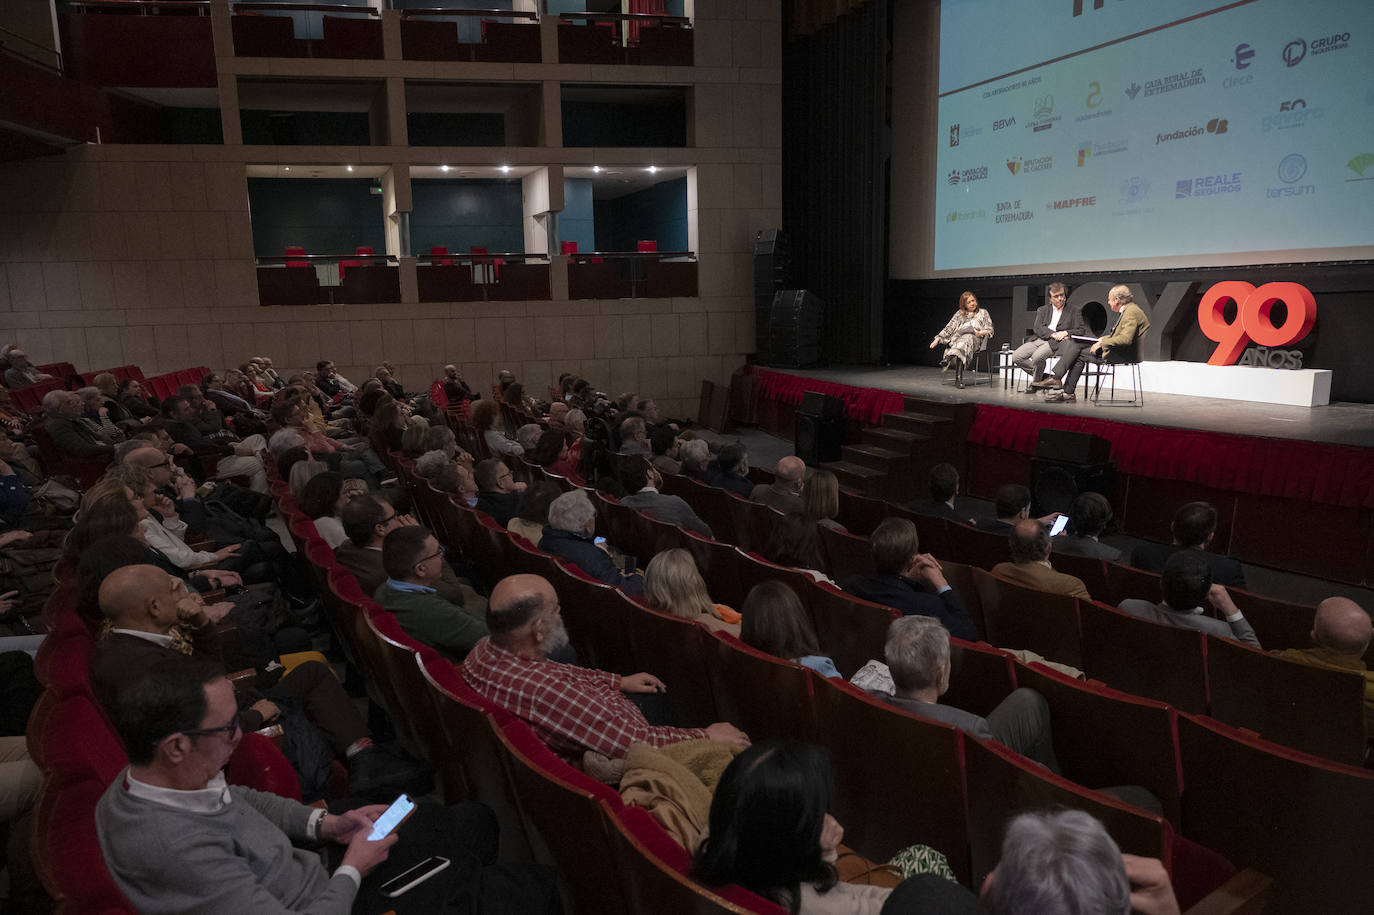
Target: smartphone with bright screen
[
  {"x": 1059, "y": 524},
  {"x": 400, "y": 808},
  {"x": 600, "y": 541}
]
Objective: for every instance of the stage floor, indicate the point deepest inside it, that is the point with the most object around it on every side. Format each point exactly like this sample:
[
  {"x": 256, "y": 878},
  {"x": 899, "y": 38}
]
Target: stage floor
[{"x": 1338, "y": 423}]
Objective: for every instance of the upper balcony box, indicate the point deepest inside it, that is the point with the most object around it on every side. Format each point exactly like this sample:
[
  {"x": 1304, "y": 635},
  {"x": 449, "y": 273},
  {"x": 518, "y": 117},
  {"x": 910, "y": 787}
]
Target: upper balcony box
[
  {"x": 479, "y": 30},
  {"x": 139, "y": 43},
  {"x": 351, "y": 30},
  {"x": 652, "y": 32}
]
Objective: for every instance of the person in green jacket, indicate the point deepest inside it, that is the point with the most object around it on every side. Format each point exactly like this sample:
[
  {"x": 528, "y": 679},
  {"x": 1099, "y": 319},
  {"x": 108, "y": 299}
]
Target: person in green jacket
[{"x": 413, "y": 560}]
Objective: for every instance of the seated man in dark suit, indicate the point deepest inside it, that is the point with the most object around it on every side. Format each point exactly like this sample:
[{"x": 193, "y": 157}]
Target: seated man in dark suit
[
  {"x": 64, "y": 426},
  {"x": 1194, "y": 526},
  {"x": 413, "y": 560},
  {"x": 943, "y": 485},
  {"x": 906, "y": 577},
  {"x": 730, "y": 470},
  {"x": 1088, "y": 518},
  {"x": 642, "y": 481},
  {"x": 917, "y": 656},
  {"x": 1012, "y": 505},
  {"x": 572, "y": 522},
  {"x": 497, "y": 492}
]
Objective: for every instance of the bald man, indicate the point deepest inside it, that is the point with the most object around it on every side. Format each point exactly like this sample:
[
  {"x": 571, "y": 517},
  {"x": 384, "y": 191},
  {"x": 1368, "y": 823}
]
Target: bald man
[
  {"x": 572, "y": 709},
  {"x": 151, "y": 614},
  {"x": 784, "y": 493},
  {"x": 1341, "y": 633}
]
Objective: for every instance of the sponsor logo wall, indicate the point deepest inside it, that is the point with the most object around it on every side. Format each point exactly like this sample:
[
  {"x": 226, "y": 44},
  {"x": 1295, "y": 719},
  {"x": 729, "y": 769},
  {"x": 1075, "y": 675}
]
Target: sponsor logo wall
[{"x": 1256, "y": 115}]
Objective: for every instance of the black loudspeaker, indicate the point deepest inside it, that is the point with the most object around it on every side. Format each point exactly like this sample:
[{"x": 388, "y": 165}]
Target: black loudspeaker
[
  {"x": 794, "y": 329},
  {"x": 1072, "y": 447},
  {"x": 772, "y": 262},
  {"x": 1099, "y": 478},
  {"x": 818, "y": 440},
  {"x": 821, "y": 405}
]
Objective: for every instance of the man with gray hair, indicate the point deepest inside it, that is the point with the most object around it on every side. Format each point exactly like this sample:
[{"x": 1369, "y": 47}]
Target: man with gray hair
[
  {"x": 497, "y": 492},
  {"x": 20, "y": 371},
  {"x": 568, "y": 535},
  {"x": 430, "y": 464},
  {"x": 64, "y": 426},
  {"x": 917, "y": 656},
  {"x": 1063, "y": 862},
  {"x": 528, "y": 436}
]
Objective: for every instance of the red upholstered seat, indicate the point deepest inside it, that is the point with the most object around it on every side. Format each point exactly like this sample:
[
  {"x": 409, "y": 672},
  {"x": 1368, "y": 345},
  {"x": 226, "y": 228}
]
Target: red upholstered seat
[
  {"x": 683, "y": 669},
  {"x": 258, "y": 764},
  {"x": 850, "y": 630},
  {"x": 740, "y": 675},
  {"x": 66, "y": 854},
  {"x": 647, "y": 246},
  {"x": 435, "y": 250},
  {"x": 296, "y": 251},
  {"x": 1146, "y": 659},
  {"x": 567, "y": 247},
  {"x": 980, "y": 676},
  {"x": 595, "y": 618},
  {"x": 845, "y": 553},
  {"x": 1021, "y": 617}
]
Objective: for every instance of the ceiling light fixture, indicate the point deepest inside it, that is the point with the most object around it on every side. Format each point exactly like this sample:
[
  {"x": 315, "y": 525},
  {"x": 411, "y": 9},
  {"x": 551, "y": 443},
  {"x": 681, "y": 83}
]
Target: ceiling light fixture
[
  {"x": 349, "y": 167},
  {"x": 653, "y": 169},
  {"x": 596, "y": 169},
  {"x": 443, "y": 168},
  {"x": 505, "y": 169},
  {"x": 286, "y": 168}
]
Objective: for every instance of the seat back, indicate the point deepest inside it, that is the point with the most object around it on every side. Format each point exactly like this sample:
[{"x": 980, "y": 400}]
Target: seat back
[
  {"x": 1002, "y": 784},
  {"x": 1277, "y": 623},
  {"x": 712, "y": 505},
  {"x": 960, "y": 577},
  {"x": 1300, "y": 819},
  {"x": 980, "y": 676},
  {"x": 753, "y": 523},
  {"x": 845, "y": 553},
  {"x": 851, "y": 631},
  {"x": 682, "y": 667},
  {"x": 874, "y": 749},
  {"x": 724, "y": 568},
  {"x": 931, "y": 531},
  {"x": 435, "y": 251},
  {"x": 1143, "y": 658},
  {"x": 1313, "y": 709},
  {"x": 296, "y": 251},
  {"x": 1103, "y": 737},
  {"x": 647, "y": 245},
  {"x": 740, "y": 679},
  {"x": 1127, "y": 582},
  {"x": 1021, "y": 617},
  {"x": 983, "y": 549},
  {"x": 1092, "y": 572},
  {"x": 596, "y": 620},
  {"x": 66, "y": 853},
  {"x": 860, "y": 514}
]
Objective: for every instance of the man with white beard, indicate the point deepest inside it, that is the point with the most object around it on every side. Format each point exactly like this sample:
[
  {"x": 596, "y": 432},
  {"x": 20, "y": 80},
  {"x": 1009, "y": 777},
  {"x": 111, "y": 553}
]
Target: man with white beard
[{"x": 572, "y": 709}]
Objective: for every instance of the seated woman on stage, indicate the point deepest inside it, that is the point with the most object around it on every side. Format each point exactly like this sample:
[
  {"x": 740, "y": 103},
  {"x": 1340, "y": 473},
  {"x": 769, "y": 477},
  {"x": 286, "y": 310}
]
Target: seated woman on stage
[{"x": 963, "y": 336}]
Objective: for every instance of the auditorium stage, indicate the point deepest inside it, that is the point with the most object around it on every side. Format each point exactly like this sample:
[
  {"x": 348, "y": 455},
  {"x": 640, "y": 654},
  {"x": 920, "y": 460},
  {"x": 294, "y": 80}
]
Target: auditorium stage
[{"x": 1338, "y": 423}]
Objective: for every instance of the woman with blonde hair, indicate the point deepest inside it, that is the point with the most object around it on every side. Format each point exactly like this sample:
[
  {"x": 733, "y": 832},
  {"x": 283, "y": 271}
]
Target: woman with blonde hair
[
  {"x": 673, "y": 585},
  {"x": 821, "y": 499}
]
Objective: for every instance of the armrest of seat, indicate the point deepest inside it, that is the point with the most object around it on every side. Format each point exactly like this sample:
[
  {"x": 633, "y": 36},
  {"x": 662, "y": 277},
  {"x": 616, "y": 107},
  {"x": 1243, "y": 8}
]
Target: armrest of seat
[
  {"x": 243, "y": 679},
  {"x": 1244, "y": 894}
]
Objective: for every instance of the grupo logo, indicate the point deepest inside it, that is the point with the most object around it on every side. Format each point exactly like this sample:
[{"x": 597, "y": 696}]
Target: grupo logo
[
  {"x": 1337, "y": 42},
  {"x": 1010, "y": 211},
  {"x": 1243, "y": 55},
  {"x": 1294, "y": 52},
  {"x": 1292, "y": 113},
  {"x": 966, "y": 175},
  {"x": 1174, "y": 82},
  {"x": 1207, "y": 186},
  {"x": 1253, "y": 317},
  {"x": 1292, "y": 168}
]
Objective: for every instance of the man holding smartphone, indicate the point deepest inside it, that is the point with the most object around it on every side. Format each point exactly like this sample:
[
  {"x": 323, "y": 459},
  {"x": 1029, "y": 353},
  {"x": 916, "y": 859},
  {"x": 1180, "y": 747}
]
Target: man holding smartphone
[{"x": 177, "y": 838}]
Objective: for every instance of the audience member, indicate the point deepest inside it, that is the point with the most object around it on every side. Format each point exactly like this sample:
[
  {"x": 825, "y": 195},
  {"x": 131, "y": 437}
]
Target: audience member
[
  {"x": 69, "y": 434},
  {"x": 1188, "y": 588},
  {"x": 695, "y": 455},
  {"x": 1340, "y": 636},
  {"x": 664, "y": 445},
  {"x": 527, "y": 436},
  {"x": 1012, "y": 505},
  {"x": 132, "y": 398},
  {"x": 1064, "y": 861},
  {"x": 793, "y": 541},
  {"x": 634, "y": 437},
  {"x": 551, "y": 453},
  {"x": 367, "y": 520},
  {"x": 21, "y": 371},
  {"x": 236, "y": 458},
  {"x": 942, "y": 488},
  {"x": 673, "y": 585},
  {"x": 775, "y": 623},
  {"x": 483, "y": 418},
  {"x": 1088, "y": 518},
  {"x": 572, "y": 709},
  {"x": 414, "y": 560},
  {"x": 904, "y": 575},
  {"x": 1193, "y": 527},
  {"x": 413, "y": 436},
  {"x": 430, "y": 464},
  {"x": 821, "y": 500},
  {"x": 730, "y": 470},
  {"x": 642, "y": 481},
  {"x": 497, "y": 492},
  {"x": 917, "y": 656},
  {"x": 770, "y": 833},
  {"x": 323, "y": 500},
  {"x": 533, "y": 516},
  {"x": 1030, "y": 562},
  {"x": 455, "y": 388},
  {"x": 784, "y": 493},
  {"x": 569, "y": 536}
]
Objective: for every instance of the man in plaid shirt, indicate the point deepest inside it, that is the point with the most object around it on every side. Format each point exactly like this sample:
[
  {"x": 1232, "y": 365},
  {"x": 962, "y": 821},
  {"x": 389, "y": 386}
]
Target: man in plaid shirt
[{"x": 572, "y": 709}]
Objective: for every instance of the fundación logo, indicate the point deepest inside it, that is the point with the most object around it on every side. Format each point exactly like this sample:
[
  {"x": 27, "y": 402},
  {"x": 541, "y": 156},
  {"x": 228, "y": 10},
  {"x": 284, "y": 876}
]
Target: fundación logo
[
  {"x": 1359, "y": 165},
  {"x": 1242, "y": 56},
  {"x": 966, "y": 175},
  {"x": 1010, "y": 211},
  {"x": 1207, "y": 186},
  {"x": 1216, "y": 126},
  {"x": 1292, "y": 167}
]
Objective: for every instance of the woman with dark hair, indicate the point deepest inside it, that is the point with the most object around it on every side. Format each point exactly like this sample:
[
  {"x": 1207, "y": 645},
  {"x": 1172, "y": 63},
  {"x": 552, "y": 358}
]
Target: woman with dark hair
[
  {"x": 794, "y": 542},
  {"x": 776, "y": 624},
  {"x": 552, "y": 454},
  {"x": 388, "y": 427},
  {"x": 533, "y": 514},
  {"x": 483, "y": 421},
  {"x": 821, "y": 499},
  {"x": 132, "y": 398},
  {"x": 770, "y": 832},
  {"x": 322, "y": 498}
]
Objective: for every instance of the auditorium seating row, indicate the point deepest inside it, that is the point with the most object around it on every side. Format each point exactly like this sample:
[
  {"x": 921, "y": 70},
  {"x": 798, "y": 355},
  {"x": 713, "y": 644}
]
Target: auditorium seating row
[
  {"x": 613, "y": 632},
  {"x": 29, "y": 398}
]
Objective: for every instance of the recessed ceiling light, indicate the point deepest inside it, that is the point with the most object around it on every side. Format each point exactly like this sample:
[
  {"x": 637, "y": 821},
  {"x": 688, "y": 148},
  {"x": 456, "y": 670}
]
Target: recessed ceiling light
[
  {"x": 349, "y": 167},
  {"x": 596, "y": 169},
  {"x": 653, "y": 169},
  {"x": 286, "y": 168},
  {"x": 505, "y": 169},
  {"x": 443, "y": 168}
]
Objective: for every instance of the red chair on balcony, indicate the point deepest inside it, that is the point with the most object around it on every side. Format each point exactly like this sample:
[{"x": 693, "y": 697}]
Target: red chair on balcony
[
  {"x": 361, "y": 249},
  {"x": 647, "y": 246},
  {"x": 567, "y": 247},
  {"x": 435, "y": 251},
  {"x": 296, "y": 251},
  {"x": 485, "y": 269}
]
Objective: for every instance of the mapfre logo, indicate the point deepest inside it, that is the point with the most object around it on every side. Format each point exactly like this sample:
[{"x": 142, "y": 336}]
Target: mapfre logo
[{"x": 1253, "y": 322}]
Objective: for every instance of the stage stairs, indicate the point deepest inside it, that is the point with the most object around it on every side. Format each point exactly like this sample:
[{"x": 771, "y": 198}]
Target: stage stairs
[{"x": 890, "y": 461}]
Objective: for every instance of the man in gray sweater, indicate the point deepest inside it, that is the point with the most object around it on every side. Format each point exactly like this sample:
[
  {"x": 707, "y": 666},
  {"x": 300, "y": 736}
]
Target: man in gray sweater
[{"x": 1188, "y": 588}]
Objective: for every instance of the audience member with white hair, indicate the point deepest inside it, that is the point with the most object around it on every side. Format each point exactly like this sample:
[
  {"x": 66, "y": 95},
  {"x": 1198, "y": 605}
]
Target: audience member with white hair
[{"x": 572, "y": 523}]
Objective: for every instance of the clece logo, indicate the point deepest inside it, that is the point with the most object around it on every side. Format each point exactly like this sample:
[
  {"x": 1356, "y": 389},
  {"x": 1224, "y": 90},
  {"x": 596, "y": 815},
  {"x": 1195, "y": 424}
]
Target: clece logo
[
  {"x": 1207, "y": 186},
  {"x": 967, "y": 175},
  {"x": 1294, "y": 52},
  {"x": 1243, "y": 54},
  {"x": 1132, "y": 91},
  {"x": 1292, "y": 167},
  {"x": 1174, "y": 82},
  {"x": 1010, "y": 211},
  {"x": 1072, "y": 203},
  {"x": 1253, "y": 322},
  {"x": 953, "y": 134},
  {"x": 1361, "y": 164}
]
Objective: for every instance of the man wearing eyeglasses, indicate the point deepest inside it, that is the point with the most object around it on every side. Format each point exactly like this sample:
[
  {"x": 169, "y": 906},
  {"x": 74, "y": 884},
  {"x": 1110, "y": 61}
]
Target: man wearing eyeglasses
[
  {"x": 1055, "y": 321},
  {"x": 414, "y": 560},
  {"x": 497, "y": 492}
]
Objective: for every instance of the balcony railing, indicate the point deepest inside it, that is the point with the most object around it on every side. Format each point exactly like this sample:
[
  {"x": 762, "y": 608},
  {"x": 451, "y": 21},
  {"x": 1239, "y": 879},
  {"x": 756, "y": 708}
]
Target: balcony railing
[
  {"x": 632, "y": 275},
  {"x": 625, "y": 38},
  {"x": 496, "y": 277},
  {"x": 505, "y": 36},
  {"x": 269, "y": 30},
  {"x": 328, "y": 279}
]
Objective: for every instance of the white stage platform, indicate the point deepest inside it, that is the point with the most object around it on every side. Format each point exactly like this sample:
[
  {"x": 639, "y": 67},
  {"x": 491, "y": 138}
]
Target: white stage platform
[{"x": 1290, "y": 387}]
